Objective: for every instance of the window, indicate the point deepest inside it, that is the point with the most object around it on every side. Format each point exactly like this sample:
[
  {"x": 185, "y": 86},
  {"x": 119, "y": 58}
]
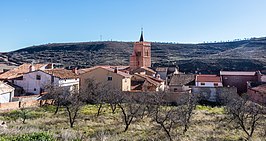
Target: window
[
  {"x": 109, "y": 78},
  {"x": 215, "y": 84},
  {"x": 202, "y": 83},
  {"x": 147, "y": 53},
  {"x": 175, "y": 89},
  {"x": 34, "y": 89},
  {"x": 38, "y": 77},
  {"x": 138, "y": 53}
]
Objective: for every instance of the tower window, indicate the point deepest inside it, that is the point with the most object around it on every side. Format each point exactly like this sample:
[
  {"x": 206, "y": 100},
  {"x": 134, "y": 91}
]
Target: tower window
[
  {"x": 38, "y": 77},
  {"x": 147, "y": 53},
  {"x": 109, "y": 78}
]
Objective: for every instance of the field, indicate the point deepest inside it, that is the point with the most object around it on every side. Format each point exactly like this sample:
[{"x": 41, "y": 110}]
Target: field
[{"x": 207, "y": 124}]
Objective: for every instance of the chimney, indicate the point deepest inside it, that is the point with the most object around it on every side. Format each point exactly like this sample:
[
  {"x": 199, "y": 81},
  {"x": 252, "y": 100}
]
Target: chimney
[
  {"x": 31, "y": 68},
  {"x": 115, "y": 70},
  {"x": 75, "y": 70},
  {"x": 158, "y": 76}
]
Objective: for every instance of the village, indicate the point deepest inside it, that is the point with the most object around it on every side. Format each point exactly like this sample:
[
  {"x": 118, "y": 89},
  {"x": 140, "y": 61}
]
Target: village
[
  {"x": 137, "y": 90},
  {"x": 28, "y": 82}
]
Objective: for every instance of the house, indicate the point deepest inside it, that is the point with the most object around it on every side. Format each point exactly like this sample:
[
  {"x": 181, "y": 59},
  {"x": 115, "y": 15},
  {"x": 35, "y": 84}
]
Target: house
[
  {"x": 143, "y": 82},
  {"x": 181, "y": 82},
  {"x": 4, "y": 68},
  {"x": 143, "y": 70},
  {"x": 208, "y": 87},
  {"x": 35, "y": 82},
  {"x": 239, "y": 79},
  {"x": 167, "y": 72},
  {"x": 110, "y": 75},
  {"x": 6, "y": 92},
  {"x": 208, "y": 81},
  {"x": 16, "y": 73},
  {"x": 258, "y": 94}
]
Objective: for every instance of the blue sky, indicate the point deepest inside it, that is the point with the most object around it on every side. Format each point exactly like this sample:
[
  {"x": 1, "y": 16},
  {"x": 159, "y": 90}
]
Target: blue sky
[{"x": 32, "y": 22}]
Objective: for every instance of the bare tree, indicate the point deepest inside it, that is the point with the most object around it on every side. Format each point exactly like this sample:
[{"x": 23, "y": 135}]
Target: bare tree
[
  {"x": 163, "y": 114},
  {"x": 130, "y": 109},
  {"x": 73, "y": 102},
  {"x": 55, "y": 93},
  {"x": 185, "y": 106},
  {"x": 245, "y": 114}
]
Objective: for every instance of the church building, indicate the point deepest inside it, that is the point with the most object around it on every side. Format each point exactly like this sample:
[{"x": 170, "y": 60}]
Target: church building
[{"x": 141, "y": 56}]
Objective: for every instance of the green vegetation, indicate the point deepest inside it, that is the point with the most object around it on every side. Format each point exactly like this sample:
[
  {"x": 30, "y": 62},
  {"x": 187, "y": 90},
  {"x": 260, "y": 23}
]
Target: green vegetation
[
  {"x": 41, "y": 136},
  {"x": 207, "y": 123},
  {"x": 211, "y": 110}
]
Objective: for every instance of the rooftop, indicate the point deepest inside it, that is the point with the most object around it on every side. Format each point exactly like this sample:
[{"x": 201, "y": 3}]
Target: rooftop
[
  {"x": 238, "y": 73},
  {"x": 20, "y": 70},
  {"x": 108, "y": 68},
  {"x": 5, "y": 88},
  {"x": 208, "y": 78},
  {"x": 182, "y": 79},
  {"x": 260, "y": 88},
  {"x": 61, "y": 73}
]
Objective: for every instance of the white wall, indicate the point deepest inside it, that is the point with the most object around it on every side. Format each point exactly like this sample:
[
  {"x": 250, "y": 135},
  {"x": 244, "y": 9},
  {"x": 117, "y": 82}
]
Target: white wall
[
  {"x": 208, "y": 84},
  {"x": 31, "y": 85},
  {"x": 4, "y": 98},
  {"x": 263, "y": 78}
]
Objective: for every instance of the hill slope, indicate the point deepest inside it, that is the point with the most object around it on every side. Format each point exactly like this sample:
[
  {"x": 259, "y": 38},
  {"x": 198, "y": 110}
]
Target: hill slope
[{"x": 206, "y": 58}]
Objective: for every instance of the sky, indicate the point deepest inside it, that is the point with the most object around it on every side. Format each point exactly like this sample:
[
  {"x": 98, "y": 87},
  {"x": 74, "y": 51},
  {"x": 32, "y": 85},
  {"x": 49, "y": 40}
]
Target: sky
[{"x": 26, "y": 23}]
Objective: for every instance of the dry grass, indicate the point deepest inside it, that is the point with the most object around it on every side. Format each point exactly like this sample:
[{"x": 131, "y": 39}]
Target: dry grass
[{"x": 207, "y": 124}]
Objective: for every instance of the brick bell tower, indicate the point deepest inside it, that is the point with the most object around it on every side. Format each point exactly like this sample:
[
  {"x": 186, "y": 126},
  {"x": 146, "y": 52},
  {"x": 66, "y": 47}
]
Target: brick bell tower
[{"x": 141, "y": 56}]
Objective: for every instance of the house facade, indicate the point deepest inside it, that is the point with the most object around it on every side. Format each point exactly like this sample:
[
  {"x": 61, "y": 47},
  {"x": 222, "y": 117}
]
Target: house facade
[
  {"x": 181, "y": 82},
  {"x": 147, "y": 83},
  {"x": 106, "y": 75},
  {"x": 239, "y": 79},
  {"x": 35, "y": 82},
  {"x": 208, "y": 81},
  {"x": 6, "y": 92}
]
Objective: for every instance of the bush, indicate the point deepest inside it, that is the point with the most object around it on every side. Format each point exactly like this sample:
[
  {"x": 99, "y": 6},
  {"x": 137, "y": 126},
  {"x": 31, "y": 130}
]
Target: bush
[
  {"x": 18, "y": 114},
  {"x": 212, "y": 110},
  {"x": 42, "y": 136}
]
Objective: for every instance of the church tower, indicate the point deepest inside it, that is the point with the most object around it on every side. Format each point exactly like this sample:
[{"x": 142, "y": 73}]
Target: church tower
[{"x": 141, "y": 56}]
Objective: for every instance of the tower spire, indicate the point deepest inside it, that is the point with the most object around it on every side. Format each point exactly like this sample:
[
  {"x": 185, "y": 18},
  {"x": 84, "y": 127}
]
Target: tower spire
[{"x": 141, "y": 36}]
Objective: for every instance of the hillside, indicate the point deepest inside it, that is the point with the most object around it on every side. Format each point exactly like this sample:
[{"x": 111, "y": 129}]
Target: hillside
[{"x": 205, "y": 58}]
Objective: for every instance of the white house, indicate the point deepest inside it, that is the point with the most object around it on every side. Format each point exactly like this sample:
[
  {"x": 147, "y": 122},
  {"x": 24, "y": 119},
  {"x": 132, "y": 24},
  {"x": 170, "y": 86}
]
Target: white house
[
  {"x": 35, "y": 82},
  {"x": 208, "y": 81},
  {"x": 6, "y": 92}
]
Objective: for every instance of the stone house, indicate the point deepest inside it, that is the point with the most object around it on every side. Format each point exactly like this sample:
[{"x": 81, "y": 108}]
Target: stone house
[{"x": 109, "y": 75}]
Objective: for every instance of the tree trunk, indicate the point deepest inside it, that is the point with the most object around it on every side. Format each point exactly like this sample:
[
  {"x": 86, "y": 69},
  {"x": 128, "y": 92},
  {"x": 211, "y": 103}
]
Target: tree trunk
[{"x": 99, "y": 109}]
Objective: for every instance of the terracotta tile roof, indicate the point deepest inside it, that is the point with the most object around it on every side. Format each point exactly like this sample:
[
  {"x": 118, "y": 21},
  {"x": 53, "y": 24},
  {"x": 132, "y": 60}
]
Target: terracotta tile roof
[
  {"x": 109, "y": 68},
  {"x": 208, "y": 78},
  {"x": 162, "y": 69},
  {"x": 20, "y": 70},
  {"x": 182, "y": 79},
  {"x": 5, "y": 88},
  {"x": 154, "y": 81},
  {"x": 61, "y": 73},
  {"x": 260, "y": 88},
  {"x": 237, "y": 73},
  {"x": 143, "y": 69}
]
